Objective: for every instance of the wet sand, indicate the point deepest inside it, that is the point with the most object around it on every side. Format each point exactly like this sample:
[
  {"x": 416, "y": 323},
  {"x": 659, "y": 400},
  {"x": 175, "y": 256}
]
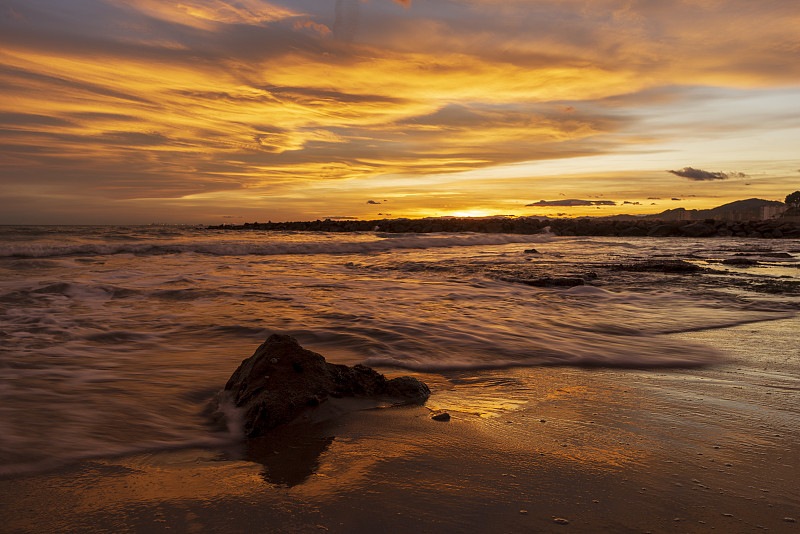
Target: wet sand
[{"x": 547, "y": 449}]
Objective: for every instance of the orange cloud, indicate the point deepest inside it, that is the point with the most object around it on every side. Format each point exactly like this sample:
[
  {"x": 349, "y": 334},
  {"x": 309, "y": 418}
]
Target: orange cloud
[
  {"x": 204, "y": 13},
  {"x": 146, "y": 99},
  {"x": 320, "y": 28}
]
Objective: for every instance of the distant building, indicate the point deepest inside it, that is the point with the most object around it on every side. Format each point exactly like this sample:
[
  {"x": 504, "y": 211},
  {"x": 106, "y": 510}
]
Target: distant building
[
  {"x": 752, "y": 209},
  {"x": 772, "y": 212}
]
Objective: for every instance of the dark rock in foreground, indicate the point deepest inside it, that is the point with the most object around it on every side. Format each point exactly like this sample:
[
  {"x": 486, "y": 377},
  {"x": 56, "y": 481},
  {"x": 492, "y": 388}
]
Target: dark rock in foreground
[{"x": 282, "y": 381}]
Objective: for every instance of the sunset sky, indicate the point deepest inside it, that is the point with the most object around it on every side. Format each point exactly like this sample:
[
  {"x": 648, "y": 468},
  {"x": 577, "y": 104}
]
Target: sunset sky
[{"x": 211, "y": 111}]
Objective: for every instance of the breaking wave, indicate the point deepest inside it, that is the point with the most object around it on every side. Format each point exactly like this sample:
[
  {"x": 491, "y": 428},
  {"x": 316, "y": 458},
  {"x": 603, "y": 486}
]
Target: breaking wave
[{"x": 269, "y": 248}]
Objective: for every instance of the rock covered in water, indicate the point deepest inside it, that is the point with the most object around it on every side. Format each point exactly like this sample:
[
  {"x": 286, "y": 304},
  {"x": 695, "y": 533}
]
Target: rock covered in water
[
  {"x": 282, "y": 380},
  {"x": 739, "y": 261},
  {"x": 554, "y": 281},
  {"x": 662, "y": 266}
]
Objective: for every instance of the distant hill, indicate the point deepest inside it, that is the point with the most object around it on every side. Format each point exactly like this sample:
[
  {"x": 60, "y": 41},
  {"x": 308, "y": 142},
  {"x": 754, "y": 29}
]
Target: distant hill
[{"x": 740, "y": 210}]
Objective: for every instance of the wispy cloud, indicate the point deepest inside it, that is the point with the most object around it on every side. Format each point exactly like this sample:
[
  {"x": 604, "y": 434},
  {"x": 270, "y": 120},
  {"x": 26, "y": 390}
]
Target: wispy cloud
[
  {"x": 573, "y": 202},
  {"x": 699, "y": 175}
]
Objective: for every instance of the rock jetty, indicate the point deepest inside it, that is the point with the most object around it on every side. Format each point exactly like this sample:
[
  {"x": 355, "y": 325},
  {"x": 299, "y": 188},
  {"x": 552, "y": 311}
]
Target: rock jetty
[
  {"x": 282, "y": 381},
  {"x": 645, "y": 227}
]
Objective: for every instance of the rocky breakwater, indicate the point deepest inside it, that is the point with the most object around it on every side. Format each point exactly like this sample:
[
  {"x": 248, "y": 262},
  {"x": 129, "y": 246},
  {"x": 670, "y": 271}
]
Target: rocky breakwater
[
  {"x": 629, "y": 227},
  {"x": 770, "y": 229},
  {"x": 282, "y": 381}
]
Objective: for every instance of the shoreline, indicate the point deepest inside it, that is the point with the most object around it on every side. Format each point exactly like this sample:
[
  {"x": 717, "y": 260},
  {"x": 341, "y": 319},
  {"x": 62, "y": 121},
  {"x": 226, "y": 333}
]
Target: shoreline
[
  {"x": 782, "y": 228},
  {"x": 607, "y": 450}
]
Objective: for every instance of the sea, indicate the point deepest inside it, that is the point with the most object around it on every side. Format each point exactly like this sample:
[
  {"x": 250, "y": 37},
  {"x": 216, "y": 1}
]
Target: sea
[{"x": 114, "y": 339}]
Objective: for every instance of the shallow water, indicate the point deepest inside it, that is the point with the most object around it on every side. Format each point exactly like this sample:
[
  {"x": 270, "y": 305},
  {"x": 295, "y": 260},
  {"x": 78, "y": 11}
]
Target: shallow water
[{"x": 114, "y": 338}]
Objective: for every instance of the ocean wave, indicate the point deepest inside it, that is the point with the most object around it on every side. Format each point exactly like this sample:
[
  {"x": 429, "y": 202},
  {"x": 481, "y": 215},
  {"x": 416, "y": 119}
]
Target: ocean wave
[
  {"x": 634, "y": 352},
  {"x": 69, "y": 289},
  {"x": 241, "y": 248}
]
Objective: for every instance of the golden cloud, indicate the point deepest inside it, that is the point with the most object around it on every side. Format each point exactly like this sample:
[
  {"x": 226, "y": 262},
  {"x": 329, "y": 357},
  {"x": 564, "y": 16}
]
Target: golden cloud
[
  {"x": 186, "y": 98},
  {"x": 204, "y": 13}
]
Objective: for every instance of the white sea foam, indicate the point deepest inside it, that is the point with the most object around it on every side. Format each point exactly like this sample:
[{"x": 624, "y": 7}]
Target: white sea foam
[
  {"x": 269, "y": 248},
  {"x": 588, "y": 291}
]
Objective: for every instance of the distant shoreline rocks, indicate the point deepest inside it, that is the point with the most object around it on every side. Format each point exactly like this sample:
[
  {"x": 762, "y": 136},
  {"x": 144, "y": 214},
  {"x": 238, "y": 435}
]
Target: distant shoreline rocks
[{"x": 767, "y": 229}]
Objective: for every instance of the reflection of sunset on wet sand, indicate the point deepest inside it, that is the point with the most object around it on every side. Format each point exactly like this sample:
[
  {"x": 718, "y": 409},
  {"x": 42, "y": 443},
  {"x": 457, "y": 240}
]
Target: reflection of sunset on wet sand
[{"x": 606, "y": 450}]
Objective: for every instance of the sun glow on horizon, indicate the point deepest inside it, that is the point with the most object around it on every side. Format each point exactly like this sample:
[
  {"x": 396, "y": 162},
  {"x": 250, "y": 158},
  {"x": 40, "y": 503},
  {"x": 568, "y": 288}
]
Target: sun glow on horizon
[{"x": 471, "y": 213}]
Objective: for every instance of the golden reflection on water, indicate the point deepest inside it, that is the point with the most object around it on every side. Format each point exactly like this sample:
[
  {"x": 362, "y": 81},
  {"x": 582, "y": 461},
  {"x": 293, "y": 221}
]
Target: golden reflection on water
[
  {"x": 480, "y": 405},
  {"x": 566, "y": 414}
]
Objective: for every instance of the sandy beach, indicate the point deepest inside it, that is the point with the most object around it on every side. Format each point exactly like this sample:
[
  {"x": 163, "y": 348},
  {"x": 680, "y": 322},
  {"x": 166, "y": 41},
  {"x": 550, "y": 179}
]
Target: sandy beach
[{"x": 545, "y": 449}]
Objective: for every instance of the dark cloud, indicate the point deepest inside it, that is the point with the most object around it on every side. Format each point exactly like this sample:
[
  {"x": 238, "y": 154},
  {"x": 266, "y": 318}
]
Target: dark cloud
[
  {"x": 346, "y": 19},
  {"x": 31, "y": 119},
  {"x": 372, "y": 202},
  {"x": 699, "y": 175},
  {"x": 19, "y": 79},
  {"x": 126, "y": 30},
  {"x": 514, "y": 115},
  {"x": 306, "y": 96},
  {"x": 573, "y": 202},
  {"x": 93, "y": 115},
  {"x": 134, "y": 139}
]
